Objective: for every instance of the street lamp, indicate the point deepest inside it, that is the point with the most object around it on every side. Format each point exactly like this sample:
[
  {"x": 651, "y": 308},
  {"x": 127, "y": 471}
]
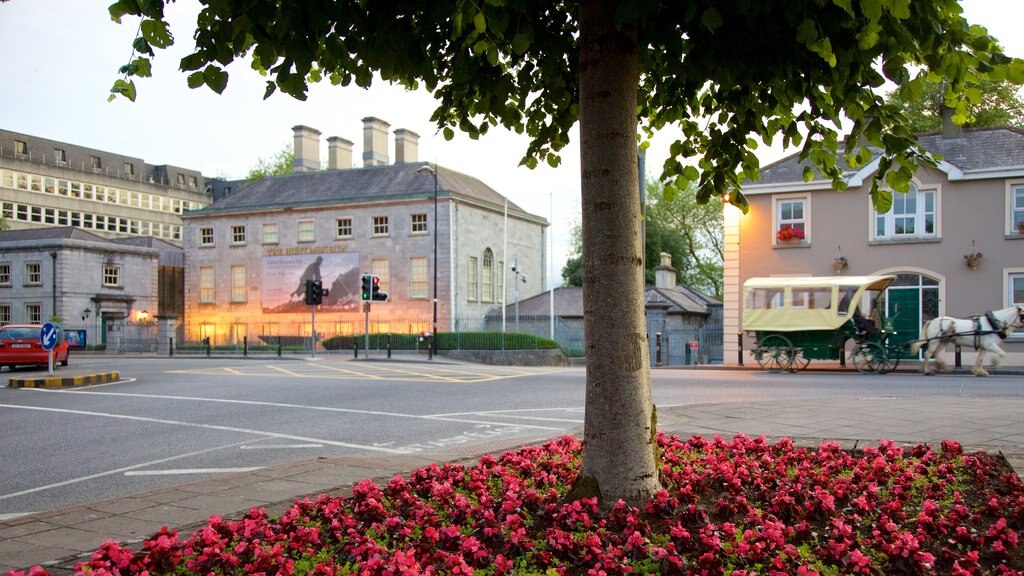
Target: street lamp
[{"x": 426, "y": 169}]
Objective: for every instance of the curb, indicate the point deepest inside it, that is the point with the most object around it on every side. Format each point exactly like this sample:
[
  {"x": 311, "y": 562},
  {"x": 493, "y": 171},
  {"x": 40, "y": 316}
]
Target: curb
[{"x": 64, "y": 382}]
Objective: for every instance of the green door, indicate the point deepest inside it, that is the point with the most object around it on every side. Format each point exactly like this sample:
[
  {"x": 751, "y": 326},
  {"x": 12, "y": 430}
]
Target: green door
[{"x": 903, "y": 309}]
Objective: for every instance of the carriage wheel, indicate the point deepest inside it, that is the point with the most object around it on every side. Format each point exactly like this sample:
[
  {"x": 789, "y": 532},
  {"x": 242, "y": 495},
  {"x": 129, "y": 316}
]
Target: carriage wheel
[
  {"x": 870, "y": 358},
  {"x": 890, "y": 362},
  {"x": 774, "y": 353},
  {"x": 799, "y": 361}
]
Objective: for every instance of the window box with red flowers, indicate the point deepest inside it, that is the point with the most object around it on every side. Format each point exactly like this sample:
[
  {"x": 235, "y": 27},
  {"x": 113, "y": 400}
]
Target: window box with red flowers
[{"x": 787, "y": 234}]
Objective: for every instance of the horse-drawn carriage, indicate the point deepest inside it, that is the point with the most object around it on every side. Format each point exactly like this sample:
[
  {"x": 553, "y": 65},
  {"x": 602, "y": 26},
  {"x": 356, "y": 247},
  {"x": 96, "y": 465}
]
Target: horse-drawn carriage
[{"x": 798, "y": 319}]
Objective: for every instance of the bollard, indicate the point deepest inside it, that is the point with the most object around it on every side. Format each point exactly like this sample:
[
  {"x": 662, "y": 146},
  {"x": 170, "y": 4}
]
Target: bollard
[
  {"x": 430, "y": 347},
  {"x": 355, "y": 348},
  {"x": 278, "y": 346},
  {"x": 389, "y": 345},
  {"x": 739, "y": 340},
  {"x": 657, "y": 349},
  {"x": 172, "y": 345},
  {"x": 207, "y": 342},
  {"x": 957, "y": 363},
  {"x": 245, "y": 345}
]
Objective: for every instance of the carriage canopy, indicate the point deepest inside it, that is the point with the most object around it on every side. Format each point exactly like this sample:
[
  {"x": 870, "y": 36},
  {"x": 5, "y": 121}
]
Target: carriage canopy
[{"x": 789, "y": 304}]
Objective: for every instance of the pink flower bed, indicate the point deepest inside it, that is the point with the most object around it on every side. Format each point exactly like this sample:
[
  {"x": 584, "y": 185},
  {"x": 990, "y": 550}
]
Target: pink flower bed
[{"x": 742, "y": 506}]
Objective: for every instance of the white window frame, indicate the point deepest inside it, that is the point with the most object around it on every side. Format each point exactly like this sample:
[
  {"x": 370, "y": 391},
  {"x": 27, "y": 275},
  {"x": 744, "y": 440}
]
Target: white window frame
[
  {"x": 379, "y": 226},
  {"x": 487, "y": 276},
  {"x": 919, "y": 216},
  {"x": 343, "y": 228},
  {"x": 472, "y": 284},
  {"x": 270, "y": 233},
  {"x": 1010, "y": 276},
  {"x": 803, "y": 223},
  {"x": 1014, "y": 207},
  {"x": 207, "y": 285},
  {"x": 34, "y": 313},
  {"x": 418, "y": 287},
  {"x": 238, "y": 283},
  {"x": 306, "y": 230},
  {"x": 111, "y": 275},
  {"x": 381, "y": 267},
  {"x": 206, "y": 236},
  {"x": 5, "y": 274},
  {"x": 5, "y": 314},
  {"x": 238, "y": 234},
  {"x": 33, "y": 274},
  {"x": 418, "y": 223}
]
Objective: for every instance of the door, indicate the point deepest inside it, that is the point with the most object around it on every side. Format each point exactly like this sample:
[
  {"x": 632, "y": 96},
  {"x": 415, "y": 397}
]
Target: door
[{"x": 903, "y": 309}]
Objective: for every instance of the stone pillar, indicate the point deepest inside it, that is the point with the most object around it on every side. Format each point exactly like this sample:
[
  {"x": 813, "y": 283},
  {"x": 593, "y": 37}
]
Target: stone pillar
[
  {"x": 115, "y": 330},
  {"x": 168, "y": 324}
]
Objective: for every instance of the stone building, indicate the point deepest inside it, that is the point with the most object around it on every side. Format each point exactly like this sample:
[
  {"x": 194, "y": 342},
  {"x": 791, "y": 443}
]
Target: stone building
[{"x": 249, "y": 253}]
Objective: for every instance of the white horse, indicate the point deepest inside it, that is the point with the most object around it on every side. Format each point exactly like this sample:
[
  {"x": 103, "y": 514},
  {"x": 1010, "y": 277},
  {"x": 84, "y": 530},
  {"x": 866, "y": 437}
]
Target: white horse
[{"x": 982, "y": 333}]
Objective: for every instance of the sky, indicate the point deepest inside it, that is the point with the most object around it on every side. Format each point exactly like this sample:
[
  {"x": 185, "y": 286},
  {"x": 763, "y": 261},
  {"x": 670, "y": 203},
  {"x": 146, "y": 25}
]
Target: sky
[{"x": 62, "y": 56}]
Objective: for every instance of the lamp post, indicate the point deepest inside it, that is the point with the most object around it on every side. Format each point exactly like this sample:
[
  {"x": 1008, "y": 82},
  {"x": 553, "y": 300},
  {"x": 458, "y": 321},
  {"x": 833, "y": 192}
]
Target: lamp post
[{"x": 426, "y": 169}]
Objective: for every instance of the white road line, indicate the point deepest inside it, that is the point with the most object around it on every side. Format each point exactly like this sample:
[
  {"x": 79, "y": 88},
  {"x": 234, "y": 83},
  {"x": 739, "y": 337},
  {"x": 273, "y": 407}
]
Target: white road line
[
  {"x": 207, "y": 426},
  {"x": 286, "y": 405},
  {"x": 541, "y": 418},
  {"x": 13, "y": 515},
  {"x": 117, "y": 471},
  {"x": 284, "y": 446},
  {"x": 500, "y": 412},
  {"x": 191, "y": 471}
]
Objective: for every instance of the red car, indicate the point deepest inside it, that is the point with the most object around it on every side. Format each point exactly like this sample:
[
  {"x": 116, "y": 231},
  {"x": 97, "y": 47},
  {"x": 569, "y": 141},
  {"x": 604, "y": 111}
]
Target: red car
[{"x": 19, "y": 344}]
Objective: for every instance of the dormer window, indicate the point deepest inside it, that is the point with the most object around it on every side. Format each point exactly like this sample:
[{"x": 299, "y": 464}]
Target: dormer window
[
  {"x": 20, "y": 148},
  {"x": 60, "y": 156},
  {"x": 129, "y": 170},
  {"x": 96, "y": 163}
]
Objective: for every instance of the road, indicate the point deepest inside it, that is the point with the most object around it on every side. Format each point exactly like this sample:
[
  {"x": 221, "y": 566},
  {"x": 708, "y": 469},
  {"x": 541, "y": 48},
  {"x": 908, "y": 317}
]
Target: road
[{"x": 171, "y": 421}]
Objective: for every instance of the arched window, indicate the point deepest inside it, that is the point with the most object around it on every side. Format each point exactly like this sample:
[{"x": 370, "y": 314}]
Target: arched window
[{"x": 488, "y": 276}]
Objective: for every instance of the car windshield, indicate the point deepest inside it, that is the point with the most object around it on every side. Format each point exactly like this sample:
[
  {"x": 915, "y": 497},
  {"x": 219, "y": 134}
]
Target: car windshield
[{"x": 19, "y": 333}]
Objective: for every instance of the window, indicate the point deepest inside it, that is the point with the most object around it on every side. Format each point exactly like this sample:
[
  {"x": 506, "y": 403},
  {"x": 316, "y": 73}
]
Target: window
[
  {"x": 912, "y": 216},
  {"x": 488, "y": 277},
  {"x": 238, "y": 283},
  {"x": 791, "y": 220},
  {"x": 238, "y": 234},
  {"x": 380, "y": 225},
  {"x": 5, "y": 273},
  {"x": 206, "y": 236},
  {"x": 344, "y": 227},
  {"x": 307, "y": 231},
  {"x": 1017, "y": 210},
  {"x": 379, "y": 267},
  {"x": 270, "y": 233},
  {"x": 33, "y": 274},
  {"x": 193, "y": 182},
  {"x": 60, "y": 157},
  {"x": 206, "y": 293},
  {"x": 111, "y": 275},
  {"x": 96, "y": 163},
  {"x": 34, "y": 313},
  {"x": 21, "y": 148},
  {"x": 5, "y": 314},
  {"x": 761, "y": 298},
  {"x": 1015, "y": 293},
  {"x": 471, "y": 284},
  {"x": 418, "y": 223},
  {"x": 812, "y": 298},
  {"x": 129, "y": 170},
  {"x": 418, "y": 277},
  {"x": 181, "y": 179},
  {"x": 500, "y": 294}
]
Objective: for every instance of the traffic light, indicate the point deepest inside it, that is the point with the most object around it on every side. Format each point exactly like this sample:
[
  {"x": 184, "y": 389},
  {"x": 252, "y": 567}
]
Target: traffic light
[
  {"x": 314, "y": 292},
  {"x": 309, "y": 293},
  {"x": 375, "y": 292},
  {"x": 367, "y": 287}
]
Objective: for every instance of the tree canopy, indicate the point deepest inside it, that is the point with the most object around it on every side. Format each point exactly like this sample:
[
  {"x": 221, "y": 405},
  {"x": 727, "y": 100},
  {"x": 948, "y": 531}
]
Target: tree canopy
[
  {"x": 281, "y": 163},
  {"x": 727, "y": 73},
  {"x": 1001, "y": 104}
]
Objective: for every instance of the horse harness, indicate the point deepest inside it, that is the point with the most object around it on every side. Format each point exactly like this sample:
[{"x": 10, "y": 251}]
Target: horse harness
[{"x": 998, "y": 328}]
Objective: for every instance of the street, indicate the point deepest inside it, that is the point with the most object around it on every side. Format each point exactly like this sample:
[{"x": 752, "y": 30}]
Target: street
[{"x": 170, "y": 421}]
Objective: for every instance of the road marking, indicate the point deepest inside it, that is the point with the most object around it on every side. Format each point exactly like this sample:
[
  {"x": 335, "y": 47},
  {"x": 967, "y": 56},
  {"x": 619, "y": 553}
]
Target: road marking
[
  {"x": 191, "y": 471},
  {"x": 541, "y": 418},
  {"x": 297, "y": 406},
  {"x": 273, "y": 367},
  {"x": 205, "y": 426},
  {"x": 286, "y": 446},
  {"x": 117, "y": 471},
  {"x": 13, "y": 515},
  {"x": 500, "y": 412},
  {"x": 234, "y": 371}
]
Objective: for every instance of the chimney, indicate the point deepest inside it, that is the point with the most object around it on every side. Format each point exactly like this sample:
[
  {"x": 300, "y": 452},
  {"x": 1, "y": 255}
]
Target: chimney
[
  {"x": 665, "y": 274},
  {"x": 949, "y": 129},
  {"x": 307, "y": 149},
  {"x": 375, "y": 142},
  {"x": 339, "y": 153},
  {"x": 406, "y": 143}
]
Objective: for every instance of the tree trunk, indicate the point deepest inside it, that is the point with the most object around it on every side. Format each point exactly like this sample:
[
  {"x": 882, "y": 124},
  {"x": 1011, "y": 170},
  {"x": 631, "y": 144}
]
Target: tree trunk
[{"x": 619, "y": 460}]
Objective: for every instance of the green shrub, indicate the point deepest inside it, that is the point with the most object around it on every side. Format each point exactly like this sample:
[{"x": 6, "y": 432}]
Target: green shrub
[{"x": 445, "y": 341}]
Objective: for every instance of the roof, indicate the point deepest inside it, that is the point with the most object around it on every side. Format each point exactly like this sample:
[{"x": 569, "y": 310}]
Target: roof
[
  {"x": 50, "y": 233},
  {"x": 370, "y": 184},
  {"x": 977, "y": 150},
  {"x": 568, "y": 302}
]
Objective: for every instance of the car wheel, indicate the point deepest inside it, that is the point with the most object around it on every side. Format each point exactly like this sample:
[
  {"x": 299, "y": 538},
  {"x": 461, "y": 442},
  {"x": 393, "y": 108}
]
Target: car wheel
[{"x": 64, "y": 362}]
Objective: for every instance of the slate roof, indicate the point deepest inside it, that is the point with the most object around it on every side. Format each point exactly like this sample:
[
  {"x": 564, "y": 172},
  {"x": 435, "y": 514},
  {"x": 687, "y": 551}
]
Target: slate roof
[
  {"x": 50, "y": 233},
  {"x": 568, "y": 302},
  {"x": 678, "y": 300},
  {"x": 331, "y": 187},
  {"x": 976, "y": 150}
]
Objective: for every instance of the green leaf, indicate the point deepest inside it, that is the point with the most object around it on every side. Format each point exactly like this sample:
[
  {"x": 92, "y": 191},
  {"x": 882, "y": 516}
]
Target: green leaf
[
  {"x": 808, "y": 174},
  {"x": 142, "y": 67},
  {"x": 480, "y": 23},
  {"x": 807, "y": 32},
  {"x": 846, "y": 5},
  {"x": 215, "y": 78},
  {"x": 449, "y": 134},
  {"x": 195, "y": 80},
  {"x": 882, "y": 200},
  {"x": 521, "y": 42},
  {"x": 900, "y": 8},
  {"x": 142, "y": 47},
  {"x": 872, "y": 9},
  {"x": 125, "y": 88},
  {"x": 691, "y": 174},
  {"x": 553, "y": 160},
  {"x": 156, "y": 33},
  {"x": 480, "y": 46},
  {"x": 121, "y": 8},
  {"x": 712, "y": 19}
]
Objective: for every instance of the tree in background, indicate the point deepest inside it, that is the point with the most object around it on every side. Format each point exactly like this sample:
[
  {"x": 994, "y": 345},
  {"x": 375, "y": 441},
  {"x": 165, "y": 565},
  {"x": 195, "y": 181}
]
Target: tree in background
[
  {"x": 675, "y": 223},
  {"x": 726, "y": 73},
  {"x": 279, "y": 164},
  {"x": 999, "y": 104}
]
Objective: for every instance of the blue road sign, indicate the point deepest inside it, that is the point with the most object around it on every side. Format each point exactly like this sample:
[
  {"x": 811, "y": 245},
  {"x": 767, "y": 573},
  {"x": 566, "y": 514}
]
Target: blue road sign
[{"x": 48, "y": 336}]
